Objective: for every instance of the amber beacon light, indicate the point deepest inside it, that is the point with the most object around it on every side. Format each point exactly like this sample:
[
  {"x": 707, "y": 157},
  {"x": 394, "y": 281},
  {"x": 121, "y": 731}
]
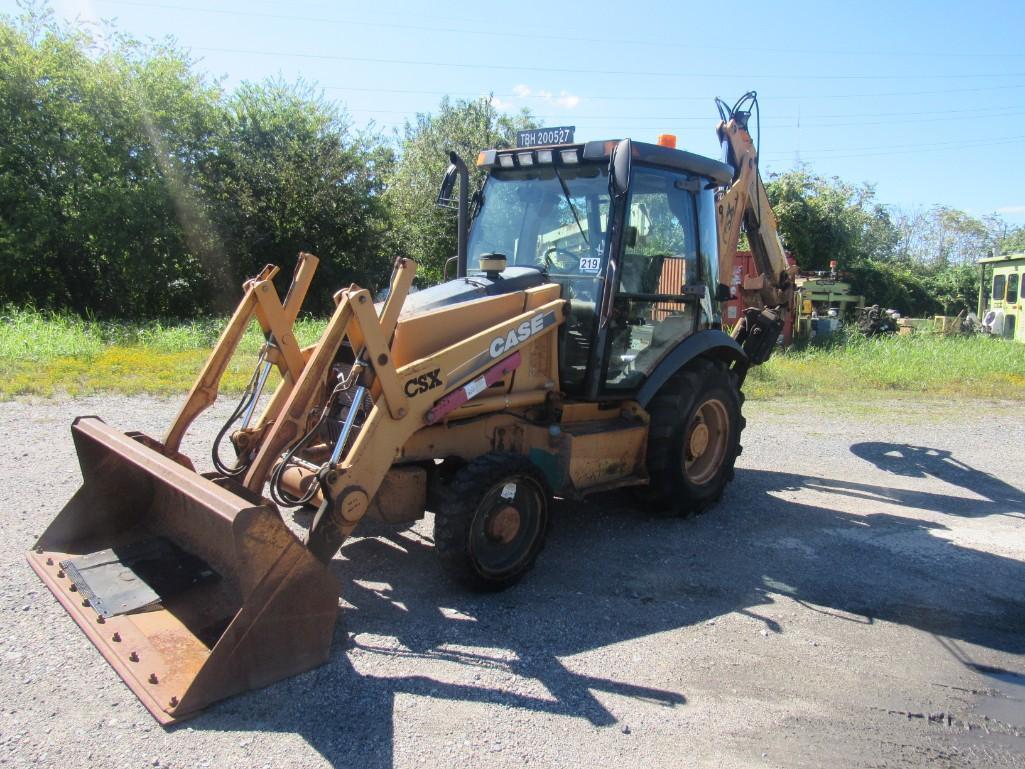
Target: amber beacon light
[{"x": 667, "y": 140}]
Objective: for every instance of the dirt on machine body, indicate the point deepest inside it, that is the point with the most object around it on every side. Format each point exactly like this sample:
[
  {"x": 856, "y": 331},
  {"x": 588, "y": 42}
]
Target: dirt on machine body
[{"x": 585, "y": 353}]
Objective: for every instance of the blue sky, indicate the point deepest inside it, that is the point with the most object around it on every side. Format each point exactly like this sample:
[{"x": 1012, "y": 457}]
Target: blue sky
[{"x": 923, "y": 99}]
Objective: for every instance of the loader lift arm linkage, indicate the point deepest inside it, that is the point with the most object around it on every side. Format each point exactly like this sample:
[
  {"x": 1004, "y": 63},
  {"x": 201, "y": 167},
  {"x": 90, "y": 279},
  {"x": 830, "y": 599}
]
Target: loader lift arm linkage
[
  {"x": 276, "y": 321},
  {"x": 269, "y": 612}
]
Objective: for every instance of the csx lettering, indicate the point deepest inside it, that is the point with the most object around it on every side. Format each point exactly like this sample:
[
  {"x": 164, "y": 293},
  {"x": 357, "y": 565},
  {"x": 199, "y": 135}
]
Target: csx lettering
[
  {"x": 423, "y": 383},
  {"x": 518, "y": 335}
]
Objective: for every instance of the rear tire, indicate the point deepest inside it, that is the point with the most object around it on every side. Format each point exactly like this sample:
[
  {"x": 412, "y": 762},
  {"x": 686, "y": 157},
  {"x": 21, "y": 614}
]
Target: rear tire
[
  {"x": 491, "y": 521},
  {"x": 694, "y": 438}
]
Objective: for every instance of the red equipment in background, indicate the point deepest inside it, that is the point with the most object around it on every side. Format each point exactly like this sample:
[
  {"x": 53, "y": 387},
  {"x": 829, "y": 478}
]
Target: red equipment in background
[{"x": 733, "y": 308}]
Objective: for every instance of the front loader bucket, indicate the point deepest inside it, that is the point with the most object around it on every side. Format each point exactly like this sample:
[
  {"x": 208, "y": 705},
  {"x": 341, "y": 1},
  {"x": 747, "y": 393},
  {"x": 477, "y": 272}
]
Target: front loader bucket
[{"x": 190, "y": 591}]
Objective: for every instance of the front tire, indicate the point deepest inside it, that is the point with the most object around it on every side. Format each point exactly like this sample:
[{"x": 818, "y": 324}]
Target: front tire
[
  {"x": 491, "y": 521},
  {"x": 694, "y": 438}
]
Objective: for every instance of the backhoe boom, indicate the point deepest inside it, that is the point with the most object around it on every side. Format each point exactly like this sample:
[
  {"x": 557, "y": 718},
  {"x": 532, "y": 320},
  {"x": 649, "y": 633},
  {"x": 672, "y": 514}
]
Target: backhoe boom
[{"x": 746, "y": 204}]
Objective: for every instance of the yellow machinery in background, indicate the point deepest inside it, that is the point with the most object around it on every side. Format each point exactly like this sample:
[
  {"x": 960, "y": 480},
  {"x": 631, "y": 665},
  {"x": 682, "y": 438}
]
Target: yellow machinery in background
[
  {"x": 822, "y": 302},
  {"x": 1003, "y": 315}
]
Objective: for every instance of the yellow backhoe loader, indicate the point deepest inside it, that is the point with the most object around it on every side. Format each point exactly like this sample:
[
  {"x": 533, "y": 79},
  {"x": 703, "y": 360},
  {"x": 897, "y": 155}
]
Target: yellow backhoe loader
[{"x": 579, "y": 348}]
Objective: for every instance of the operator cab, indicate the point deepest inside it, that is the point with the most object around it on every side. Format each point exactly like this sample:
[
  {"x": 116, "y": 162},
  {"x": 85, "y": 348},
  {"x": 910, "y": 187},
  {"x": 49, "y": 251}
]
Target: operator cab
[{"x": 627, "y": 229}]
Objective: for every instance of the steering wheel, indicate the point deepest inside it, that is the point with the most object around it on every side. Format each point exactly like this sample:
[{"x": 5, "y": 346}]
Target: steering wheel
[{"x": 549, "y": 262}]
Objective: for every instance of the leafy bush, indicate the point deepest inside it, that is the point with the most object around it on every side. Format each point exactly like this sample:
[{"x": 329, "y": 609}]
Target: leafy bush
[{"x": 133, "y": 187}]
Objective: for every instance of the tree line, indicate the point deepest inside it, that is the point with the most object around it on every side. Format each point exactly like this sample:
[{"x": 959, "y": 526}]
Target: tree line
[
  {"x": 134, "y": 186},
  {"x": 921, "y": 262}
]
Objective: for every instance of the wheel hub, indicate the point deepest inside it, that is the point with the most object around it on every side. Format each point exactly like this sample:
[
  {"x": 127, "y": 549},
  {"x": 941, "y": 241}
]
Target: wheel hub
[
  {"x": 503, "y": 524},
  {"x": 706, "y": 443},
  {"x": 698, "y": 440}
]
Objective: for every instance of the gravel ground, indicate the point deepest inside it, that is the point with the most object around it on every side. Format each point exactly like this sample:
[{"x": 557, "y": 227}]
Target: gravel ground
[{"x": 856, "y": 600}]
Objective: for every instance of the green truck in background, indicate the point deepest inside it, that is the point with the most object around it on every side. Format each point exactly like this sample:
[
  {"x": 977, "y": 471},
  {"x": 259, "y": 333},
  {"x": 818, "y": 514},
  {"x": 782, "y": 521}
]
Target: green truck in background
[{"x": 1003, "y": 316}]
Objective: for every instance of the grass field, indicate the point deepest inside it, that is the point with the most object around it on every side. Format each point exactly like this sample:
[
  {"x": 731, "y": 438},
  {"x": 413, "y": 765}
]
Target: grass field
[
  {"x": 927, "y": 364},
  {"x": 43, "y": 354}
]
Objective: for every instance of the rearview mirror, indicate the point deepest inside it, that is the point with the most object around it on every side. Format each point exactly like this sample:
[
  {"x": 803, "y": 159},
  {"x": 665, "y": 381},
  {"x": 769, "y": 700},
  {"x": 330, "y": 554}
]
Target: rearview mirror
[
  {"x": 619, "y": 168},
  {"x": 447, "y": 185}
]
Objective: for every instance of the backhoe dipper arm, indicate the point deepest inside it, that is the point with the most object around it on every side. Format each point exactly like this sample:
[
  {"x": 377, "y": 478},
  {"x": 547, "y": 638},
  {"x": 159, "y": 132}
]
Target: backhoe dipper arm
[{"x": 746, "y": 203}]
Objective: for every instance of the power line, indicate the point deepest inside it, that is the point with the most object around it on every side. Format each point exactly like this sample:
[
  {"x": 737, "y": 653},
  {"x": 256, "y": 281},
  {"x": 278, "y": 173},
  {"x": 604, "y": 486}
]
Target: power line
[
  {"x": 623, "y": 97},
  {"x": 892, "y": 113},
  {"x": 911, "y": 150},
  {"x": 536, "y": 35},
  {"x": 910, "y": 147},
  {"x": 922, "y": 120},
  {"x": 573, "y": 70},
  {"x": 785, "y": 122},
  {"x": 861, "y": 152},
  {"x": 570, "y": 116}
]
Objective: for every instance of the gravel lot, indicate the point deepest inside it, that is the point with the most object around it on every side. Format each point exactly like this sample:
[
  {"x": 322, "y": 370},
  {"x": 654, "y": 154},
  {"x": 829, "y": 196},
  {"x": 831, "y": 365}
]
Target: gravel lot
[{"x": 857, "y": 600}]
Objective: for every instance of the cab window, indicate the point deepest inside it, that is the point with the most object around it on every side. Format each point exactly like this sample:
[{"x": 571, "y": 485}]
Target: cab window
[
  {"x": 1012, "y": 288},
  {"x": 998, "y": 287},
  {"x": 540, "y": 218},
  {"x": 659, "y": 248},
  {"x": 658, "y": 258}
]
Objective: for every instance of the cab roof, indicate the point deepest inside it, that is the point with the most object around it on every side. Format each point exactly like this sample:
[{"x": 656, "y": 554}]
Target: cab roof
[
  {"x": 1003, "y": 258},
  {"x": 597, "y": 151}
]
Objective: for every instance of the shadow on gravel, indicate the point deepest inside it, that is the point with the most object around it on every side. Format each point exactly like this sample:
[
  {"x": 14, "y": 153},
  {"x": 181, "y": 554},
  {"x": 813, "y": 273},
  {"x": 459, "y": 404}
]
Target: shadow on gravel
[
  {"x": 921, "y": 462},
  {"x": 612, "y": 573}
]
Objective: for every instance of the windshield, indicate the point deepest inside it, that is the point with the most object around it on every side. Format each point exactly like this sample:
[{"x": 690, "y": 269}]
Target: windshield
[{"x": 537, "y": 219}]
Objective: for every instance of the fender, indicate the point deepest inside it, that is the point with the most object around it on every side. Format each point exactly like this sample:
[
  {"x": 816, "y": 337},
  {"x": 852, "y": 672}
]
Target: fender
[{"x": 712, "y": 342}]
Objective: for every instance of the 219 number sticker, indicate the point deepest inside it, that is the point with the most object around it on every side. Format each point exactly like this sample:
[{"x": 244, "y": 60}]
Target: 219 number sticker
[{"x": 590, "y": 263}]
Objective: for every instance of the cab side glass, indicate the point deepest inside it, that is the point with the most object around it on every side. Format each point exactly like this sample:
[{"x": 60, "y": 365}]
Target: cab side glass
[
  {"x": 1012, "y": 288},
  {"x": 708, "y": 240},
  {"x": 998, "y": 287},
  {"x": 651, "y": 314},
  {"x": 660, "y": 254}
]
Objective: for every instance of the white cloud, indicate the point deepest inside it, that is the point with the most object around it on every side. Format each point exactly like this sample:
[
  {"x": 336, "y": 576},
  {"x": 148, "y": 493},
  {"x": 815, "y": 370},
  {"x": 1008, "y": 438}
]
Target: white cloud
[
  {"x": 82, "y": 10},
  {"x": 567, "y": 100},
  {"x": 1012, "y": 210},
  {"x": 525, "y": 96}
]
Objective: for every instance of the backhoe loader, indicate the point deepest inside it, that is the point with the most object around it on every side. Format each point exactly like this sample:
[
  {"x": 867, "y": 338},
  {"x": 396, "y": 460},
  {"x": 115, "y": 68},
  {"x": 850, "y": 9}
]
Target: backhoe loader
[{"x": 579, "y": 348}]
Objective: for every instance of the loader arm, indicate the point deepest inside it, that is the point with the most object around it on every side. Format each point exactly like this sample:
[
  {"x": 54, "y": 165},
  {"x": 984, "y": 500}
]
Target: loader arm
[
  {"x": 260, "y": 299},
  {"x": 463, "y": 369}
]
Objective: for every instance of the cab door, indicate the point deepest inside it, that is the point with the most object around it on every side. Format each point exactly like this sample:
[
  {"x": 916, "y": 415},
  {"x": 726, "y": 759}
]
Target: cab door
[{"x": 660, "y": 282}]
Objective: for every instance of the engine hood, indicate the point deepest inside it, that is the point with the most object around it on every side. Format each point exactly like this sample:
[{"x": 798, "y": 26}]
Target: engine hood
[{"x": 472, "y": 287}]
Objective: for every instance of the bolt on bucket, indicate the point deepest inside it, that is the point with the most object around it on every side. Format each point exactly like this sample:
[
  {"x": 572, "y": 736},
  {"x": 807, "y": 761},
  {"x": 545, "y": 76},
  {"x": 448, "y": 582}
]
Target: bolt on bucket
[{"x": 191, "y": 592}]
